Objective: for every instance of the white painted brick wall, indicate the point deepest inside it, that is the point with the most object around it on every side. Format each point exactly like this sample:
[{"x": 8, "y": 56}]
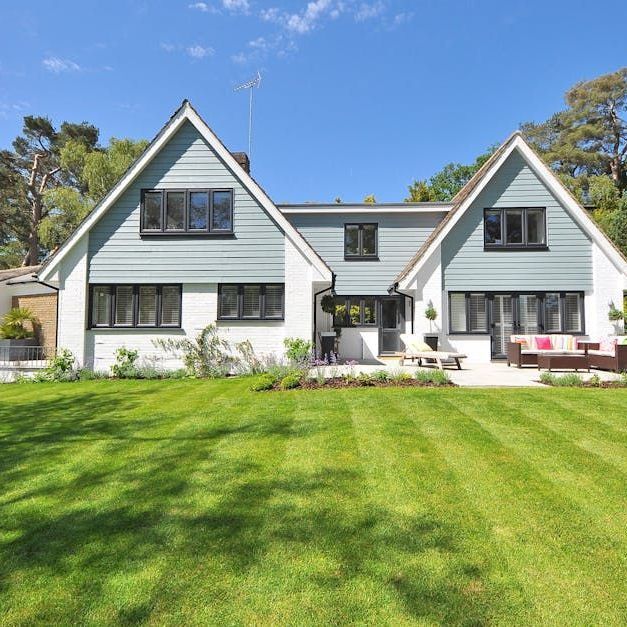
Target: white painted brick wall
[
  {"x": 608, "y": 283},
  {"x": 73, "y": 300},
  {"x": 96, "y": 348}
]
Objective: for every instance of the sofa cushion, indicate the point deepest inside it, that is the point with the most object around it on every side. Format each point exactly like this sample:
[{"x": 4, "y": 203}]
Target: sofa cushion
[
  {"x": 600, "y": 353},
  {"x": 607, "y": 345},
  {"x": 523, "y": 340},
  {"x": 543, "y": 342}
]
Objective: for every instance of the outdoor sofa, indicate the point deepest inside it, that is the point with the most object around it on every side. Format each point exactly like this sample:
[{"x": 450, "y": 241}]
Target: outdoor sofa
[
  {"x": 609, "y": 354},
  {"x": 523, "y": 350},
  {"x": 416, "y": 348}
]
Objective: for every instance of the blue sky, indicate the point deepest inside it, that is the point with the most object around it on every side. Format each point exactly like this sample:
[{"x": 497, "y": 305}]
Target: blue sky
[{"x": 356, "y": 97}]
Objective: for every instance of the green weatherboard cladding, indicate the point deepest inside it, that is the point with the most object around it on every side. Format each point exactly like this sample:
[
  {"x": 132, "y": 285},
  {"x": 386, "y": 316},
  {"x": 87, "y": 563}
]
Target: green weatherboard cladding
[
  {"x": 566, "y": 265},
  {"x": 400, "y": 236},
  {"x": 118, "y": 253}
]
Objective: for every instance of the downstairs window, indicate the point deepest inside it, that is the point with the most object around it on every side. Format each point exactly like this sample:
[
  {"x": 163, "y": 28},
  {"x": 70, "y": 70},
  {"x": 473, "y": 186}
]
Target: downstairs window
[
  {"x": 251, "y": 301},
  {"x": 134, "y": 306}
]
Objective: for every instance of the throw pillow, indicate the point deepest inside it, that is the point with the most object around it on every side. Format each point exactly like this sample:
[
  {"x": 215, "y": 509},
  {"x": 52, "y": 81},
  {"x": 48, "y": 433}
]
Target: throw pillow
[
  {"x": 524, "y": 343},
  {"x": 607, "y": 344},
  {"x": 543, "y": 343}
]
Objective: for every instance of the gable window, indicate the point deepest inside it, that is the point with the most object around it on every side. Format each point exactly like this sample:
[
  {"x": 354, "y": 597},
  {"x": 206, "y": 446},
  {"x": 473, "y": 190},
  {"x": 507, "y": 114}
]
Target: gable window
[
  {"x": 514, "y": 228},
  {"x": 360, "y": 241},
  {"x": 134, "y": 306},
  {"x": 251, "y": 301},
  {"x": 187, "y": 211}
]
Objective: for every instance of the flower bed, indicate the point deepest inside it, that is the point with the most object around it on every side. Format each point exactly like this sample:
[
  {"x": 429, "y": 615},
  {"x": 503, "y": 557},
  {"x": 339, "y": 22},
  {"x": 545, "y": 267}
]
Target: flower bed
[
  {"x": 380, "y": 378},
  {"x": 574, "y": 380}
]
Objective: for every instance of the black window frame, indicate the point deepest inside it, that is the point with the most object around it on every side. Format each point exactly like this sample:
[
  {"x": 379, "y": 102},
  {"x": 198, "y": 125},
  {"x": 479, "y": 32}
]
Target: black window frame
[
  {"x": 503, "y": 217},
  {"x": 347, "y": 323},
  {"x": 360, "y": 256},
  {"x": 240, "y": 302},
  {"x": 187, "y": 231},
  {"x": 540, "y": 295},
  {"x": 135, "y": 324}
]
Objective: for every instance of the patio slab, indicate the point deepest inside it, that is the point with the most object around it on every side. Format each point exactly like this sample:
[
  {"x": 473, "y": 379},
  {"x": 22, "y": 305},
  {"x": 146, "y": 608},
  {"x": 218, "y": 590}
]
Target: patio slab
[{"x": 492, "y": 374}]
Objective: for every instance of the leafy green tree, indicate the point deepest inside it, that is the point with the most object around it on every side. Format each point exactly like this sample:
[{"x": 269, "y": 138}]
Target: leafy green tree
[
  {"x": 370, "y": 199},
  {"x": 30, "y": 170},
  {"x": 96, "y": 171},
  {"x": 589, "y": 137},
  {"x": 445, "y": 184}
]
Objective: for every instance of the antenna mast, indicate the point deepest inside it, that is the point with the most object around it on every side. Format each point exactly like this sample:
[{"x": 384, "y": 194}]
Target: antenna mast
[{"x": 250, "y": 85}]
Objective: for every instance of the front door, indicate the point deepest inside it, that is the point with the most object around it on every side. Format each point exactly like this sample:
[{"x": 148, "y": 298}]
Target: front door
[{"x": 392, "y": 323}]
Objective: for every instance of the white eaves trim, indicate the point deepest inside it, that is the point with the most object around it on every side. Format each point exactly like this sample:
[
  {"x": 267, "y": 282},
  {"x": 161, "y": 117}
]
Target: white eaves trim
[
  {"x": 554, "y": 185},
  {"x": 187, "y": 113},
  {"x": 380, "y": 209}
]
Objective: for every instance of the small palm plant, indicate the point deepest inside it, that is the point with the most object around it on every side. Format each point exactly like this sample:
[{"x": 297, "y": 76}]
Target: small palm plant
[{"x": 13, "y": 322}]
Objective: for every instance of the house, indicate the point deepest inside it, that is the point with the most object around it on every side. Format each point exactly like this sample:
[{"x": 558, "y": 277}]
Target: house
[{"x": 188, "y": 237}]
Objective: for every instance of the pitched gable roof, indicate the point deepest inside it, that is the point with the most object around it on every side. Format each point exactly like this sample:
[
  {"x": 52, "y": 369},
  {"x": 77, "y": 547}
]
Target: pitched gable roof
[
  {"x": 187, "y": 113},
  {"x": 465, "y": 197},
  {"x": 14, "y": 273}
]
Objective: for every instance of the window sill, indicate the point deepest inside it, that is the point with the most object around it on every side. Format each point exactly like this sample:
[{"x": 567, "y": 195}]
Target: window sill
[
  {"x": 517, "y": 248},
  {"x": 251, "y": 319},
  {"x": 186, "y": 234},
  {"x": 138, "y": 328},
  {"x": 357, "y": 258}
]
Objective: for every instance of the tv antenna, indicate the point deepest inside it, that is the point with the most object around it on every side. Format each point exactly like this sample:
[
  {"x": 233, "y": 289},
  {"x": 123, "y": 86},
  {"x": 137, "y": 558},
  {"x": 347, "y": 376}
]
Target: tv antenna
[{"x": 250, "y": 85}]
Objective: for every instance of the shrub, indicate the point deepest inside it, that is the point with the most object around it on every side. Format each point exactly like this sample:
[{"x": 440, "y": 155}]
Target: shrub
[
  {"x": 363, "y": 378},
  {"x": 13, "y": 328},
  {"x": 398, "y": 376},
  {"x": 206, "y": 356},
  {"x": 124, "y": 366},
  {"x": 60, "y": 368},
  {"x": 291, "y": 380},
  {"x": 87, "y": 374},
  {"x": 548, "y": 378},
  {"x": 297, "y": 350},
  {"x": 569, "y": 380},
  {"x": 432, "y": 377},
  {"x": 264, "y": 382},
  {"x": 249, "y": 362},
  {"x": 380, "y": 375},
  {"x": 594, "y": 381}
]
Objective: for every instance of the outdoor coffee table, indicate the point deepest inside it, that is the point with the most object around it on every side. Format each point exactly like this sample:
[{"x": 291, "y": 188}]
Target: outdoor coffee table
[{"x": 563, "y": 361}]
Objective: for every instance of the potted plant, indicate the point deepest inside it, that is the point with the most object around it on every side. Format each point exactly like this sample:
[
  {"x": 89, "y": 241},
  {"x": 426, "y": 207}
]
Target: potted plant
[
  {"x": 616, "y": 316},
  {"x": 431, "y": 338},
  {"x": 329, "y": 339},
  {"x": 15, "y": 337}
]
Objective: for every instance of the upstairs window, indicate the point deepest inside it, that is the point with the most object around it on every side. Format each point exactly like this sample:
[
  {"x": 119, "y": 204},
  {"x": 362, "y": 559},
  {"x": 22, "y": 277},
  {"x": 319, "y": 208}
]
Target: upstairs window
[
  {"x": 360, "y": 241},
  {"x": 187, "y": 212},
  {"x": 515, "y": 228}
]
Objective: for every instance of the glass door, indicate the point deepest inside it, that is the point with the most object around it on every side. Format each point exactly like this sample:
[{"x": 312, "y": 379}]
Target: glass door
[
  {"x": 527, "y": 323},
  {"x": 392, "y": 320},
  {"x": 502, "y": 323}
]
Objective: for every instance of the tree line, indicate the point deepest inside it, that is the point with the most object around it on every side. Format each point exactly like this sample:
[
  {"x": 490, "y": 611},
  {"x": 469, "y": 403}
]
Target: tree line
[
  {"x": 585, "y": 144},
  {"x": 53, "y": 177},
  {"x": 50, "y": 180}
]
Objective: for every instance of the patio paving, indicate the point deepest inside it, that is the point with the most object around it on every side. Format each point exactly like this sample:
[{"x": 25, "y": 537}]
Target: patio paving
[{"x": 492, "y": 374}]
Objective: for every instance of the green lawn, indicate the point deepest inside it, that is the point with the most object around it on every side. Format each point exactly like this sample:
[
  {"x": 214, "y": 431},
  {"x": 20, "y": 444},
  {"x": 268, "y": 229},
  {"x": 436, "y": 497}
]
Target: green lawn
[{"x": 184, "y": 502}]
